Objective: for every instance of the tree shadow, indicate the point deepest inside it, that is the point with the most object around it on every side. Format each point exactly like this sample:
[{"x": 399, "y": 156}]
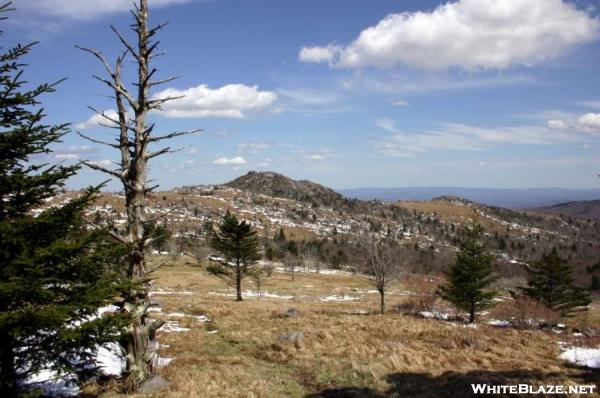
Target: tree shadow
[{"x": 454, "y": 384}]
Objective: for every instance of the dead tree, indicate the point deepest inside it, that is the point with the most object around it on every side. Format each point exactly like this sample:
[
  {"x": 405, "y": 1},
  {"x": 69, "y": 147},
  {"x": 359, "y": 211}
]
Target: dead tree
[
  {"x": 379, "y": 264},
  {"x": 135, "y": 136}
]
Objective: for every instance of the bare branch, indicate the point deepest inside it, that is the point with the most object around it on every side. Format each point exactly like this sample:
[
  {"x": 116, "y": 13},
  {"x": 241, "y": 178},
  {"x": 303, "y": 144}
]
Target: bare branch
[
  {"x": 172, "y": 135},
  {"x": 157, "y": 103},
  {"x": 95, "y": 140},
  {"x": 124, "y": 41},
  {"x": 162, "y": 81},
  {"x": 157, "y": 28},
  {"x": 114, "y": 234},
  {"x": 94, "y": 166},
  {"x": 100, "y": 57}
]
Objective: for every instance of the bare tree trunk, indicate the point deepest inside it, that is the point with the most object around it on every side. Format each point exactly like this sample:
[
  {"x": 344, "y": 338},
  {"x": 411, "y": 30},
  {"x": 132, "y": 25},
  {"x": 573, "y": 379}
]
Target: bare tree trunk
[
  {"x": 238, "y": 282},
  {"x": 382, "y": 302},
  {"x": 472, "y": 313},
  {"x": 135, "y": 136}
]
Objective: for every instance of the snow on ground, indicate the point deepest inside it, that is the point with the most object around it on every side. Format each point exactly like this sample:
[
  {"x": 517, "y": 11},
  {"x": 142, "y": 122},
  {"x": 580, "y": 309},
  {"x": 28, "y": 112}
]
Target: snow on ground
[
  {"x": 587, "y": 357},
  {"x": 110, "y": 359},
  {"x": 53, "y": 384},
  {"x": 172, "y": 326},
  {"x": 163, "y": 292},
  {"x": 254, "y": 294},
  {"x": 435, "y": 315},
  {"x": 110, "y": 362},
  {"x": 338, "y": 298},
  {"x": 500, "y": 323}
]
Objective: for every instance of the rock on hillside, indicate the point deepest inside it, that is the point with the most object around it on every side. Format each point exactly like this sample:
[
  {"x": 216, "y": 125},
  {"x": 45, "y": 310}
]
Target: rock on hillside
[{"x": 278, "y": 185}]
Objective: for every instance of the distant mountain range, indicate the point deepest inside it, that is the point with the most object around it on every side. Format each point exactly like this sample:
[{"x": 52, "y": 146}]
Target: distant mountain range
[{"x": 517, "y": 198}]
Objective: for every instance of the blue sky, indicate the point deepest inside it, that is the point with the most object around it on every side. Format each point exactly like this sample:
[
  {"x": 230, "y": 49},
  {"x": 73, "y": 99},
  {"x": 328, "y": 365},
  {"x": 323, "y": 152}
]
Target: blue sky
[{"x": 348, "y": 93}]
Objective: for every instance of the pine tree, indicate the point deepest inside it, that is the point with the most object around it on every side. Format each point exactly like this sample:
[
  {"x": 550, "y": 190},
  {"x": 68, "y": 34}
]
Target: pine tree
[
  {"x": 551, "y": 282},
  {"x": 469, "y": 278},
  {"x": 238, "y": 244},
  {"x": 54, "y": 272}
]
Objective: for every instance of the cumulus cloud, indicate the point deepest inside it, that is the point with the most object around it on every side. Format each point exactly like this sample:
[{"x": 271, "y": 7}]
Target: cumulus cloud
[
  {"x": 469, "y": 34},
  {"x": 557, "y": 124},
  {"x": 319, "y": 54},
  {"x": 590, "y": 121},
  {"x": 230, "y": 101},
  {"x": 97, "y": 120},
  {"x": 85, "y": 9},
  {"x": 225, "y": 161}
]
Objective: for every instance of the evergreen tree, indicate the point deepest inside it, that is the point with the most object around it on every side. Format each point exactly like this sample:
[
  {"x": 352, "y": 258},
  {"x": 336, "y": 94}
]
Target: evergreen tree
[
  {"x": 551, "y": 282},
  {"x": 238, "y": 245},
  {"x": 470, "y": 277},
  {"x": 54, "y": 272}
]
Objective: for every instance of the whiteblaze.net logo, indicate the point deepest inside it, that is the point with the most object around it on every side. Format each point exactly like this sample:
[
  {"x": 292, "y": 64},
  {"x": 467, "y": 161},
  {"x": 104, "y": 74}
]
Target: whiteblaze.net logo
[{"x": 530, "y": 389}]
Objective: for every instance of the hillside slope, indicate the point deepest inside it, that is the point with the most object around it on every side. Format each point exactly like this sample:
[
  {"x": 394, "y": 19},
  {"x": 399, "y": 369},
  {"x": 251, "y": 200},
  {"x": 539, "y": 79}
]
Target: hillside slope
[
  {"x": 279, "y": 186},
  {"x": 580, "y": 209}
]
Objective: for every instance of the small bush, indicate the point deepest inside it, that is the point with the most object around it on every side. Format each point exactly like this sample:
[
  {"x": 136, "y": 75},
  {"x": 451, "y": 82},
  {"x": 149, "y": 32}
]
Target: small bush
[
  {"x": 524, "y": 312},
  {"x": 424, "y": 295}
]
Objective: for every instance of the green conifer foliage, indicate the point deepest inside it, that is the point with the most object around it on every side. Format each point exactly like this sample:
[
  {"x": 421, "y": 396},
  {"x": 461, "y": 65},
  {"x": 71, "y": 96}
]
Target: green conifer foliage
[
  {"x": 470, "y": 277},
  {"x": 238, "y": 245},
  {"x": 551, "y": 282}
]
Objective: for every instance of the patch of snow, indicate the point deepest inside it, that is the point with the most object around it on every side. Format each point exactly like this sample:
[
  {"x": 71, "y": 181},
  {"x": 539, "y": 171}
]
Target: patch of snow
[
  {"x": 110, "y": 359},
  {"x": 587, "y": 357},
  {"x": 338, "y": 298},
  {"x": 435, "y": 315},
  {"x": 53, "y": 384},
  {"x": 173, "y": 326},
  {"x": 500, "y": 323}
]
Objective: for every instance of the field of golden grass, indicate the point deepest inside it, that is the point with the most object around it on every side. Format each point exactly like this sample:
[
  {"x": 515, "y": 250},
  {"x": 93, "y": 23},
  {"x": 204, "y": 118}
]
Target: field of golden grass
[{"x": 347, "y": 351}]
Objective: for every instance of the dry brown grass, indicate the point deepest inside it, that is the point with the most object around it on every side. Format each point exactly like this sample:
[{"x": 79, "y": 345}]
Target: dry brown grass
[{"x": 343, "y": 347}]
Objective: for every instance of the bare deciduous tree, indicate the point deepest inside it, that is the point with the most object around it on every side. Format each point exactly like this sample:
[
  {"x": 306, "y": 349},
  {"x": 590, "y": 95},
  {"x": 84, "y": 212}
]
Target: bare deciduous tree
[
  {"x": 379, "y": 264},
  {"x": 135, "y": 136}
]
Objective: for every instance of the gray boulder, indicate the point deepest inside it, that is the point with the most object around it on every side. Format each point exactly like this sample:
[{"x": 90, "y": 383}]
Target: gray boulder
[
  {"x": 291, "y": 337},
  {"x": 291, "y": 313},
  {"x": 154, "y": 385}
]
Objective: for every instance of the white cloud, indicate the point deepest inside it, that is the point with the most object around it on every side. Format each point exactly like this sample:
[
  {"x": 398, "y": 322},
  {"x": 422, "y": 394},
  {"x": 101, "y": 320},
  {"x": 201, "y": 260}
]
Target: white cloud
[
  {"x": 386, "y": 124},
  {"x": 469, "y": 34},
  {"x": 230, "y": 101},
  {"x": 72, "y": 152},
  {"x": 267, "y": 163},
  {"x": 400, "y": 103},
  {"x": 66, "y": 156},
  {"x": 315, "y": 156},
  {"x": 590, "y": 121},
  {"x": 224, "y": 161},
  {"x": 319, "y": 54},
  {"x": 192, "y": 151},
  {"x": 310, "y": 97},
  {"x": 594, "y": 104},
  {"x": 254, "y": 147},
  {"x": 86, "y": 9},
  {"x": 461, "y": 137},
  {"x": 557, "y": 124},
  {"x": 103, "y": 162},
  {"x": 97, "y": 120}
]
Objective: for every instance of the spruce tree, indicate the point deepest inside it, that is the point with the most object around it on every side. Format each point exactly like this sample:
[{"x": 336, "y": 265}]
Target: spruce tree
[
  {"x": 470, "y": 277},
  {"x": 551, "y": 282},
  {"x": 54, "y": 272},
  {"x": 238, "y": 245}
]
